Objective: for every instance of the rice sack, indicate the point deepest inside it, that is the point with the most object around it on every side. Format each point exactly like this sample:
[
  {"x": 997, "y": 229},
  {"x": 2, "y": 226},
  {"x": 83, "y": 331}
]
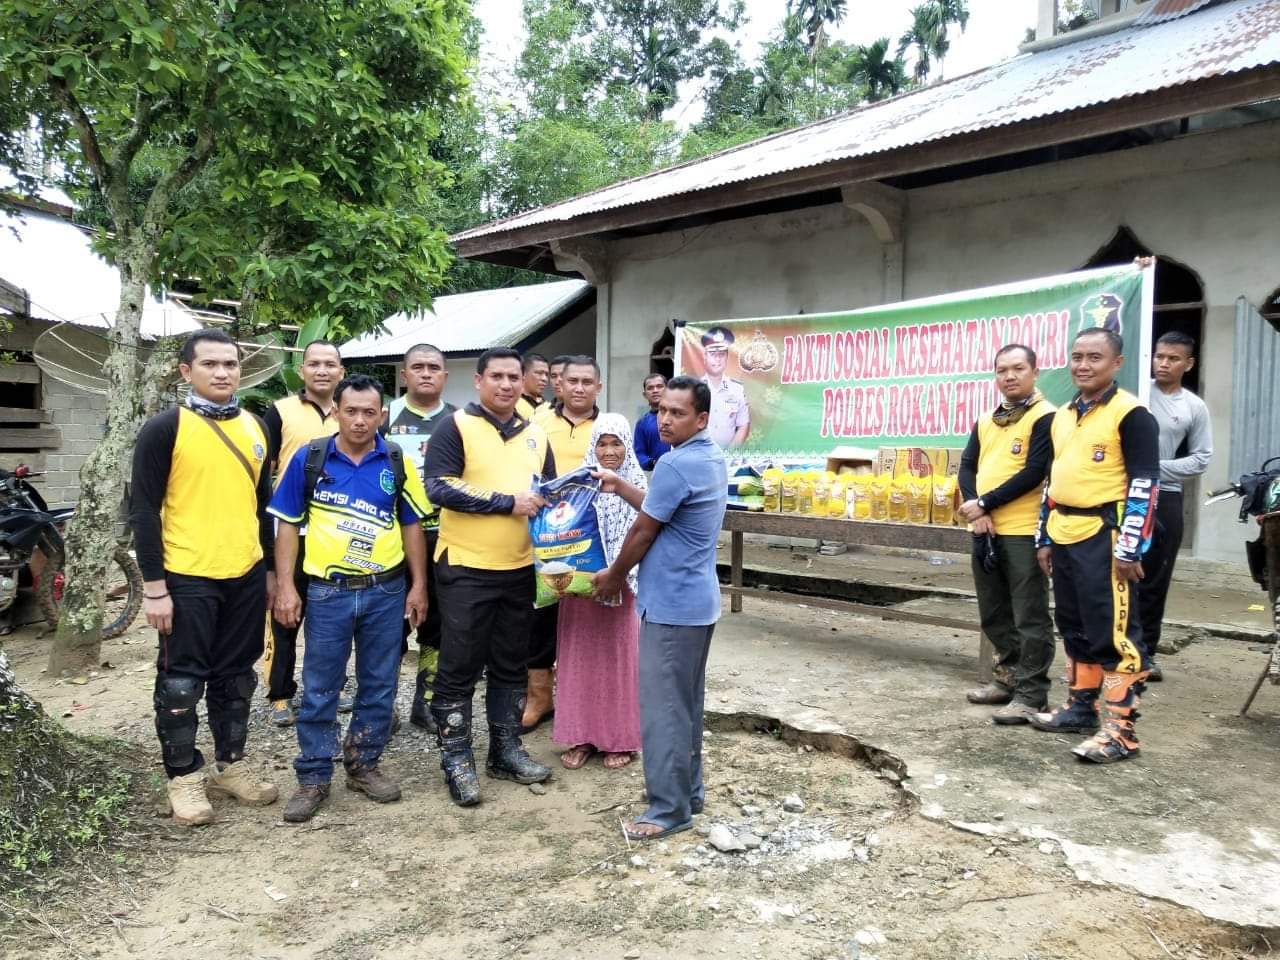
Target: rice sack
[{"x": 566, "y": 538}]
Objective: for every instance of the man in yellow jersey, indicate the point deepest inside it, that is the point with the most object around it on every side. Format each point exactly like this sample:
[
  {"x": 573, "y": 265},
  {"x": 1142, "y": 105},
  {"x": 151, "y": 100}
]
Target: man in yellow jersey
[
  {"x": 363, "y": 509},
  {"x": 200, "y": 489},
  {"x": 1095, "y": 525},
  {"x": 536, "y": 374},
  {"x": 568, "y": 424},
  {"x": 410, "y": 423},
  {"x": 480, "y": 469},
  {"x": 292, "y": 422},
  {"x": 1002, "y": 473}
]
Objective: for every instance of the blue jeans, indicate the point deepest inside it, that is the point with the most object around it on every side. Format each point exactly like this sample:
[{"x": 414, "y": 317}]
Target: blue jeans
[{"x": 371, "y": 618}]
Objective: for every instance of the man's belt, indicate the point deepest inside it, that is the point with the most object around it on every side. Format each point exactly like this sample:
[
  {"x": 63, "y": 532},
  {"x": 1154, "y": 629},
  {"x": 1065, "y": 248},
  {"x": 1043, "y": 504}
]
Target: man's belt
[
  {"x": 343, "y": 582},
  {"x": 1105, "y": 512}
]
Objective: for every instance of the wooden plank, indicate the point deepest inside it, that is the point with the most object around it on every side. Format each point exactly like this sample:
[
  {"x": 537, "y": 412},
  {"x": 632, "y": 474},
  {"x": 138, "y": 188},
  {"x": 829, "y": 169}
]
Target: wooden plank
[
  {"x": 13, "y": 298},
  {"x": 849, "y": 606},
  {"x": 24, "y": 415},
  {"x": 11, "y": 461},
  {"x": 1215, "y": 93},
  {"x": 19, "y": 373},
  {"x": 866, "y": 532},
  {"x": 36, "y": 438}
]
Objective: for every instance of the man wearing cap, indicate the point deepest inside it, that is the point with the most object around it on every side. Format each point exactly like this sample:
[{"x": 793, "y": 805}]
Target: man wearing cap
[{"x": 730, "y": 420}]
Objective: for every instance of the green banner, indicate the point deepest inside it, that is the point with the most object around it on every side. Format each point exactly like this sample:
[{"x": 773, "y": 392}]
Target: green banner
[{"x": 916, "y": 373}]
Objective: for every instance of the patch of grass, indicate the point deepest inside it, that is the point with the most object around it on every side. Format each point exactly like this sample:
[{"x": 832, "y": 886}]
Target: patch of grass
[{"x": 59, "y": 793}]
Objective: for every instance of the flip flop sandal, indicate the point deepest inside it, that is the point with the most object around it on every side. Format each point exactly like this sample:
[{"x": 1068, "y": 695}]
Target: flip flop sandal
[
  {"x": 575, "y": 758},
  {"x": 616, "y": 761},
  {"x": 642, "y": 837}
]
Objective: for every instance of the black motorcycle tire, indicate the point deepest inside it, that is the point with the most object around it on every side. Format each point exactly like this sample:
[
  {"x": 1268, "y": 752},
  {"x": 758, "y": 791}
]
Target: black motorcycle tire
[{"x": 128, "y": 612}]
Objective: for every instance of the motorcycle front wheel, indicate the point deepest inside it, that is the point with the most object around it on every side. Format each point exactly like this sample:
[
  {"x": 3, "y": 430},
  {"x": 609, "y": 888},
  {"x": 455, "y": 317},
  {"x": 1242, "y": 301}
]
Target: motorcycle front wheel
[{"x": 123, "y": 593}]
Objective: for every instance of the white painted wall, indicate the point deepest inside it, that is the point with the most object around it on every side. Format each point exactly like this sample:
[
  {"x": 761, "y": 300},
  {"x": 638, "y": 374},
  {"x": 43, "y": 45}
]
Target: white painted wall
[{"x": 1209, "y": 201}]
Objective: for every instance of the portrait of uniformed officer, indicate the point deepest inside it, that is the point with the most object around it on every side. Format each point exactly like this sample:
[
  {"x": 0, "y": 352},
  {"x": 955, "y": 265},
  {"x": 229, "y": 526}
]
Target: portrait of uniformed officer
[{"x": 730, "y": 420}]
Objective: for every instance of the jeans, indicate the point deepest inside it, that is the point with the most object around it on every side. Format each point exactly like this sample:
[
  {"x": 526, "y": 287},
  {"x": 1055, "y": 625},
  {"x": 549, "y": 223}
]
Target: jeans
[{"x": 336, "y": 617}]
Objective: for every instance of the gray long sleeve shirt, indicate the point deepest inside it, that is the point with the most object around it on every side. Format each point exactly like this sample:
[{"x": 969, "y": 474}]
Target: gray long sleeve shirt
[{"x": 1182, "y": 416}]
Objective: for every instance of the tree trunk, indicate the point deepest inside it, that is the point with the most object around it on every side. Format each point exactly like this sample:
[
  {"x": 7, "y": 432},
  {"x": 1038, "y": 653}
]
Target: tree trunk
[{"x": 91, "y": 536}]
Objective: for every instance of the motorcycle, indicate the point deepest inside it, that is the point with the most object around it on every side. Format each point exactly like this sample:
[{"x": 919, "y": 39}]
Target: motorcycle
[
  {"x": 1259, "y": 494},
  {"x": 33, "y": 555}
]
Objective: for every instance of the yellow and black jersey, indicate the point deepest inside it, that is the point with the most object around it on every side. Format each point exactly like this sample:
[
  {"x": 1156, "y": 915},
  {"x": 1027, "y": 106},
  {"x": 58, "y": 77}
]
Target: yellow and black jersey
[
  {"x": 354, "y": 518},
  {"x": 196, "y": 507},
  {"x": 1105, "y": 471},
  {"x": 292, "y": 422},
  {"x": 528, "y": 406},
  {"x": 568, "y": 440},
  {"x": 1004, "y": 465},
  {"x": 475, "y": 466}
]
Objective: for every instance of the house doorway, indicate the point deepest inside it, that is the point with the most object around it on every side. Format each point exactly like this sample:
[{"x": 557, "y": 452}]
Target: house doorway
[{"x": 1179, "y": 294}]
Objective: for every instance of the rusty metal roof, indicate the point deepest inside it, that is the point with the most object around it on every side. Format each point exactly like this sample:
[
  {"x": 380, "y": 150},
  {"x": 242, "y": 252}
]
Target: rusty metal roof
[
  {"x": 1158, "y": 10},
  {"x": 1226, "y": 38}
]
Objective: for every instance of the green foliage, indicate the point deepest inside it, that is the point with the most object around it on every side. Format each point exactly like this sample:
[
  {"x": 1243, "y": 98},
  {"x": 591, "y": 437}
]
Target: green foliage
[
  {"x": 58, "y": 793},
  {"x": 927, "y": 34},
  {"x": 310, "y": 124}
]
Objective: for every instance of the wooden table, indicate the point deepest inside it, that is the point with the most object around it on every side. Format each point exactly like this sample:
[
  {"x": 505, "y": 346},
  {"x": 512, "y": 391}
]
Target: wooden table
[{"x": 867, "y": 532}]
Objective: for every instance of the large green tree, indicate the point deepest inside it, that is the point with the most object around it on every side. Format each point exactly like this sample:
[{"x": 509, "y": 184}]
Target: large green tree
[
  {"x": 313, "y": 123},
  {"x": 880, "y": 74}
]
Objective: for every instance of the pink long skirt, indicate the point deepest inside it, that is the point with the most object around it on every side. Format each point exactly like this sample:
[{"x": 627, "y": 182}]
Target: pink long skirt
[{"x": 597, "y": 675}]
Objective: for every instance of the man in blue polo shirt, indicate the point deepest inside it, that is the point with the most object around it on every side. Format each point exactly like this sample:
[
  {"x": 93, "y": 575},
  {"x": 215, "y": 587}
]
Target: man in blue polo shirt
[
  {"x": 674, "y": 541},
  {"x": 364, "y": 528}
]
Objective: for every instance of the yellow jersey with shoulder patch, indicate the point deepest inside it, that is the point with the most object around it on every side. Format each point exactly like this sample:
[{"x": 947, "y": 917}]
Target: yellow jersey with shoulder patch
[
  {"x": 493, "y": 463},
  {"x": 1002, "y": 453},
  {"x": 1088, "y": 464},
  {"x": 209, "y": 519}
]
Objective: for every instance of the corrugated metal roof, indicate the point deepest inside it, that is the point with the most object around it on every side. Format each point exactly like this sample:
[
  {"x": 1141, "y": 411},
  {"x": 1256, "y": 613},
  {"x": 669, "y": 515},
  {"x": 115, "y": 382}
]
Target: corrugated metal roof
[
  {"x": 1234, "y": 36},
  {"x": 1159, "y": 10},
  {"x": 467, "y": 322},
  {"x": 52, "y": 261}
]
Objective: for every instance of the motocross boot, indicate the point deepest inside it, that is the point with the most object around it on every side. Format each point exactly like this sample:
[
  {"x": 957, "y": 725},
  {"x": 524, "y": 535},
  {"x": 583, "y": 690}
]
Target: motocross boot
[
  {"x": 453, "y": 735},
  {"x": 507, "y": 757},
  {"x": 1080, "y": 713},
  {"x": 1121, "y": 695}
]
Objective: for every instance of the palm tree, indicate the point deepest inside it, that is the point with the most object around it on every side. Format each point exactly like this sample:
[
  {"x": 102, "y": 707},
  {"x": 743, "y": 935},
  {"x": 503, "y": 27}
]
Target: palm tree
[
  {"x": 874, "y": 69},
  {"x": 949, "y": 11},
  {"x": 816, "y": 15},
  {"x": 657, "y": 74},
  {"x": 927, "y": 35}
]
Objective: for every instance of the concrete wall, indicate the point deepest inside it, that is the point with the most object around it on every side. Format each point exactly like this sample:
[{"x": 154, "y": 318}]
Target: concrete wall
[
  {"x": 576, "y": 336},
  {"x": 80, "y": 418},
  {"x": 1208, "y": 201}
]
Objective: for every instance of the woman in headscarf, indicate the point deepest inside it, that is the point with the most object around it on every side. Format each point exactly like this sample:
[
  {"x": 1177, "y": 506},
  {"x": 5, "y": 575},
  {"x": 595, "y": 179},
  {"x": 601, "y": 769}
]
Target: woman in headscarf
[{"x": 598, "y": 687}]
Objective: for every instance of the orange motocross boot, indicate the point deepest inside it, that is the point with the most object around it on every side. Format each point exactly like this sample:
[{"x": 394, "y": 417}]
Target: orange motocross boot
[
  {"x": 1121, "y": 695},
  {"x": 1080, "y": 713}
]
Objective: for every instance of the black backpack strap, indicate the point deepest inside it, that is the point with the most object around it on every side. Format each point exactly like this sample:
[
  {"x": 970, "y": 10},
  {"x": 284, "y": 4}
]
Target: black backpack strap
[
  {"x": 313, "y": 469},
  {"x": 397, "y": 466}
]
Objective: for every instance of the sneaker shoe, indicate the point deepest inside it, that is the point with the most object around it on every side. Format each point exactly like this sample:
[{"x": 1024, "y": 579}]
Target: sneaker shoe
[
  {"x": 992, "y": 693},
  {"x": 282, "y": 713},
  {"x": 1015, "y": 711},
  {"x": 188, "y": 800},
  {"x": 304, "y": 803},
  {"x": 373, "y": 784},
  {"x": 346, "y": 699},
  {"x": 237, "y": 780},
  {"x": 1154, "y": 673}
]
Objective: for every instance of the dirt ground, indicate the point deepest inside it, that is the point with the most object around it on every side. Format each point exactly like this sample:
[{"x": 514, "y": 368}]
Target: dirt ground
[{"x": 925, "y": 833}]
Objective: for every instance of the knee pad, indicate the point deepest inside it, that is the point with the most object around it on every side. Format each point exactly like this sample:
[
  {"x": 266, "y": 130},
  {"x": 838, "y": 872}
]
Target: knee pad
[
  {"x": 229, "y": 713},
  {"x": 177, "y": 692},
  {"x": 176, "y": 696}
]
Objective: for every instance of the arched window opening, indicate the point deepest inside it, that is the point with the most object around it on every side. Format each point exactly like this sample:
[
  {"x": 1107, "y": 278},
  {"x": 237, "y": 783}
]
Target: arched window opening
[{"x": 1179, "y": 294}]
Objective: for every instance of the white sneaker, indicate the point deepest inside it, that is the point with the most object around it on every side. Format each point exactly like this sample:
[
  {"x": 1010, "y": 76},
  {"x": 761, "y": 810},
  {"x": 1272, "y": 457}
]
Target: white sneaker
[{"x": 187, "y": 799}]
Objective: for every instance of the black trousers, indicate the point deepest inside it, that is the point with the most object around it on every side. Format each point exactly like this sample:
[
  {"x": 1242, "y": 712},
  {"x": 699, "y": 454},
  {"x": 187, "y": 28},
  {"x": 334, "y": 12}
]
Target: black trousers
[
  {"x": 216, "y": 639},
  {"x": 280, "y": 661},
  {"x": 486, "y": 619},
  {"x": 542, "y": 637},
  {"x": 1094, "y": 610},
  {"x": 1157, "y": 567},
  {"x": 429, "y": 629}
]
